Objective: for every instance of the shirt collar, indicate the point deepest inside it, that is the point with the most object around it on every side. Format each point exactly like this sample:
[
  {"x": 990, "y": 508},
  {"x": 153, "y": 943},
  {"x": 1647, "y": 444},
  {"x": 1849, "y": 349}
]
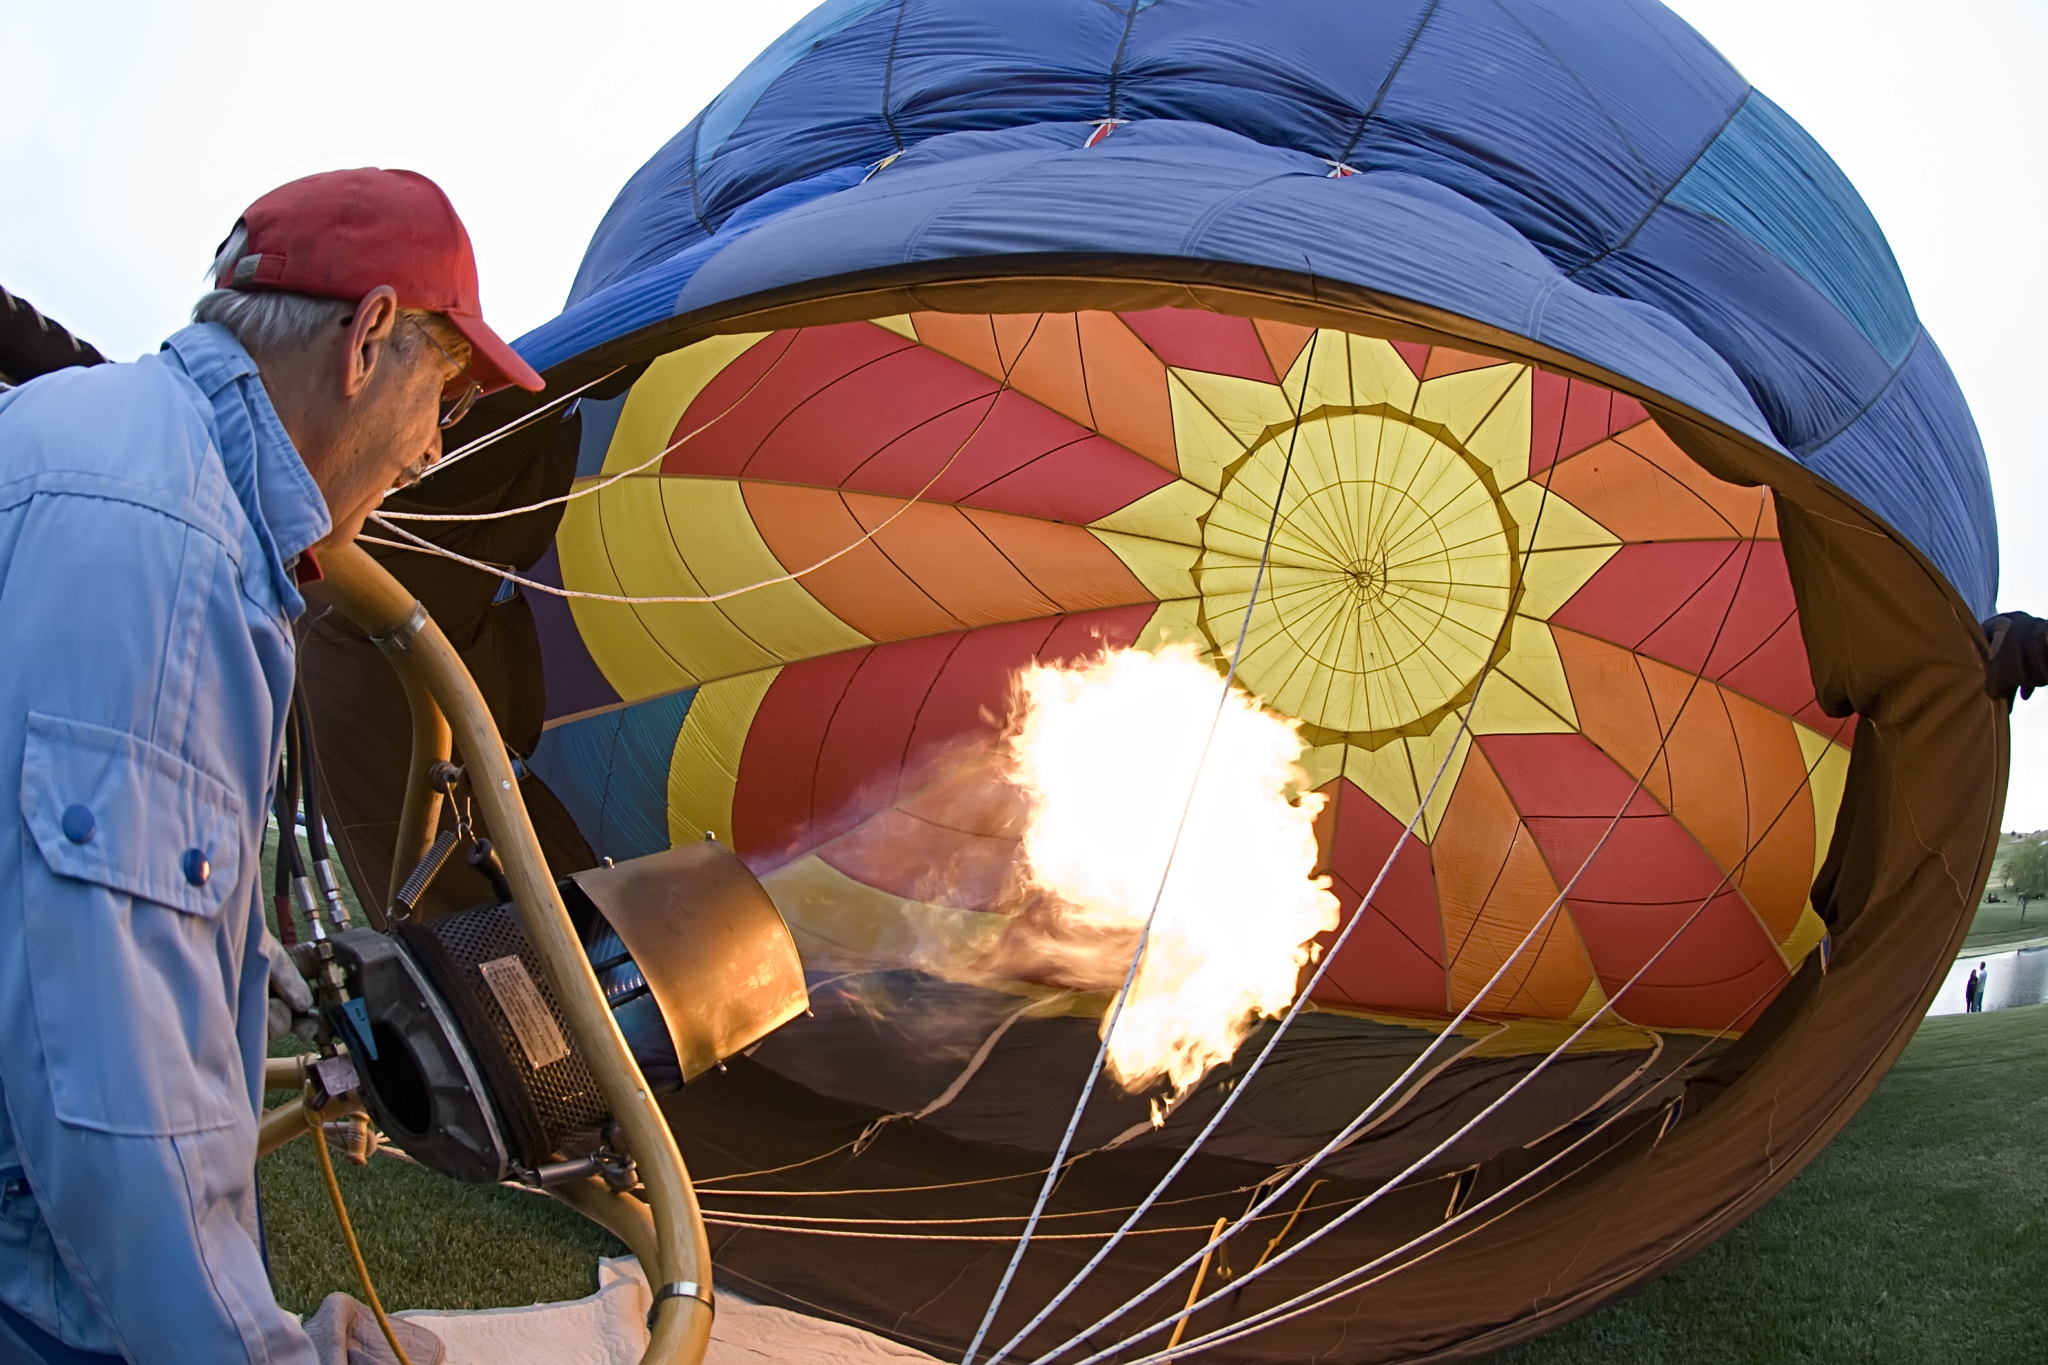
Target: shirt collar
[{"x": 275, "y": 487}]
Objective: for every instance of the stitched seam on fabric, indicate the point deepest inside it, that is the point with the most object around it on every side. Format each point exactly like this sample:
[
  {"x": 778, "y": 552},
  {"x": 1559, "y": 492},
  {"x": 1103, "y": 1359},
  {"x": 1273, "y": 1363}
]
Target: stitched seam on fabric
[
  {"x": 1116, "y": 64},
  {"x": 1814, "y": 447},
  {"x": 1208, "y": 219},
  {"x": 889, "y": 74},
  {"x": 1669, "y": 189},
  {"x": 1387, "y": 85}
]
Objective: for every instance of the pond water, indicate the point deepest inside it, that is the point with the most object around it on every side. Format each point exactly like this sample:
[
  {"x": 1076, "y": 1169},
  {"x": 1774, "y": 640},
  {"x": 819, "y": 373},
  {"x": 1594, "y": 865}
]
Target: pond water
[{"x": 2019, "y": 978}]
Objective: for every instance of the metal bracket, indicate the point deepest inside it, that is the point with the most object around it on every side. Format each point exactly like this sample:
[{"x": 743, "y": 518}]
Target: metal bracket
[
  {"x": 398, "y": 640},
  {"x": 678, "y": 1289}
]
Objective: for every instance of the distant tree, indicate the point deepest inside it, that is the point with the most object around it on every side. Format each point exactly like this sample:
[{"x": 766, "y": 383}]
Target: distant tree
[{"x": 2026, "y": 871}]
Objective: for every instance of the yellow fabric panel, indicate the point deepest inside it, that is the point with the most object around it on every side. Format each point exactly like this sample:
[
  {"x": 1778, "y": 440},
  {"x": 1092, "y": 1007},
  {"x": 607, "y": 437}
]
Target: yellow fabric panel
[
  {"x": 1475, "y": 400},
  {"x": 708, "y": 521},
  {"x": 900, "y": 324},
  {"x": 1175, "y": 623},
  {"x": 1505, "y": 707},
  {"x": 704, "y": 767},
  {"x": 628, "y": 656},
  {"x": 1375, "y": 373},
  {"x": 1501, "y": 440},
  {"x": 1172, "y": 514},
  {"x": 700, "y": 639},
  {"x": 1827, "y": 774},
  {"x": 1216, "y": 417},
  {"x": 1807, "y": 932},
  {"x": 664, "y": 393},
  {"x": 1568, "y": 548},
  {"x": 1166, "y": 570},
  {"x": 1533, "y": 665},
  {"x": 1324, "y": 764},
  {"x": 843, "y": 925},
  {"x": 1396, "y": 775}
]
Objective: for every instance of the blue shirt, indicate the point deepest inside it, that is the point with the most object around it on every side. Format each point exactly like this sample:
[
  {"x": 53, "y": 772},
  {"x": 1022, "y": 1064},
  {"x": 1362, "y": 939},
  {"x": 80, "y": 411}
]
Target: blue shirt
[{"x": 149, "y": 517}]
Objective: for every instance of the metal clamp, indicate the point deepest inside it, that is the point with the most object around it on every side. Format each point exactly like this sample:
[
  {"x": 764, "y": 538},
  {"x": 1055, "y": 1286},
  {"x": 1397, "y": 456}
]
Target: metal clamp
[
  {"x": 398, "y": 640},
  {"x": 678, "y": 1289}
]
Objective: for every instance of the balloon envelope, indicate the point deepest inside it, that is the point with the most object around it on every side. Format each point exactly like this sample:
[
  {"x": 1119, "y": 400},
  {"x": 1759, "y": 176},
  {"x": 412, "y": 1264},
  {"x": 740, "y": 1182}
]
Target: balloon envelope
[{"x": 1624, "y": 536}]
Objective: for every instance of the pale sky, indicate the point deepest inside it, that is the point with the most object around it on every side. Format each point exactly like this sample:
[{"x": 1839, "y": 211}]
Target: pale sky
[{"x": 137, "y": 130}]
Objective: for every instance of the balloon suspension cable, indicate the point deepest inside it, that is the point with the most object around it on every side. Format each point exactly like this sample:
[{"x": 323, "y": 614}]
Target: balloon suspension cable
[
  {"x": 1159, "y": 894},
  {"x": 1330, "y": 1290},
  {"x": 1351, "y": 1129},
  {"x": 420, "y": 543},
  {"x": 1301, "y": 999}
]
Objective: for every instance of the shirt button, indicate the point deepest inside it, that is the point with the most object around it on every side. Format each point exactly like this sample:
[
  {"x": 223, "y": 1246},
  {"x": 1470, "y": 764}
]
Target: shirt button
[
  {"x": 195, "y": 867},
  {"x": 78, "y": 824}
]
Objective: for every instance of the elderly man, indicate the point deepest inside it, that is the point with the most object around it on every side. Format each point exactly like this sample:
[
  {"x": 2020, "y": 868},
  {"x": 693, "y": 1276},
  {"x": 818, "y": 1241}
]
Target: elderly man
[{"x": 156, "y": 522}]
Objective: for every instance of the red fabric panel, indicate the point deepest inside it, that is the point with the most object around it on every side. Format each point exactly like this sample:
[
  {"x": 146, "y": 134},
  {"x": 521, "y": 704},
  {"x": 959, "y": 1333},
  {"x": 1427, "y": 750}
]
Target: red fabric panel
[
  {"x": 1414, "y": 353},
  {"x": 814, "y": 359},
  {"x": 1586, "y": 412},
  {"x": 861, "y": 758},
  {"x": 1721, "y": 608},
  {"x": 1393, "y": 960},
  {"x": 1627, "y": 413},
  {"x": 1546, "y": 418},
  {"x": 771, "y": 807},
  {"x": 832, "y": 432},
  {"x": 1193, "y": 339},
  {"x": 1635, "y": 884},
  {"x": 840, "y": 738},
  {"x": 1076, "y": 483},
  {"x": 1563, "y": 775}
]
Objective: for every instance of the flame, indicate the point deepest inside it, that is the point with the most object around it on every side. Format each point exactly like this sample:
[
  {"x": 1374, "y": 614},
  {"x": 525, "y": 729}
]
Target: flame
[{"x": 1106, "y": 753}]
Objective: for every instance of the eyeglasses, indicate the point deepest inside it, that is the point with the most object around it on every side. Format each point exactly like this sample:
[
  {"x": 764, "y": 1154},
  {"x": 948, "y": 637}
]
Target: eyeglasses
[{"x": 454, "y": 409}]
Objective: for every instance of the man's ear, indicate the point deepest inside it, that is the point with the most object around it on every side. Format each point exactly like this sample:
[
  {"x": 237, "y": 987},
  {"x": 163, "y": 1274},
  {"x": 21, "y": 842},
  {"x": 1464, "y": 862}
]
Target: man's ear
[{"x": 369, "y": 339}]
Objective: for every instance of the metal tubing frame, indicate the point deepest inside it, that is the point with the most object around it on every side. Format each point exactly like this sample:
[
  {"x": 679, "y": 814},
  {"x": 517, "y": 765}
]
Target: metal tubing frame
[{"x": 668, "y": 1233}]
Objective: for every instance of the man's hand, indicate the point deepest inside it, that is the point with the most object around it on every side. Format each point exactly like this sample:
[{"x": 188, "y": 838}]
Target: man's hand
[{"x": 291, "y": 999}]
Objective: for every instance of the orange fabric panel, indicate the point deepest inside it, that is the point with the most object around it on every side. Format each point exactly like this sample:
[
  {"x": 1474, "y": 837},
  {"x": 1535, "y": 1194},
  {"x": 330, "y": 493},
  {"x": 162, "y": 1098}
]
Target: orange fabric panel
[
  {"x": 1443, "y": 360},
  {"x": 1615, "y": 708},
  {"x": 1730, "y": 771},
  {"x": 862, "y": 588},
  {"x": 1739, "y": 786},
  {"x": 969, "y": 338},
  {"x": 1066, "y": 563},
  {"x": 1751, "y": 511},
  {"x": 1642, "y": 487},
  {"x": 945, "y": 555},
  {"x": 1043, "y": 353},
  {"x": 1127, "y": 389},
  {"x": 1283, "y": 342},
  {"x": 1492, "y": 886}
]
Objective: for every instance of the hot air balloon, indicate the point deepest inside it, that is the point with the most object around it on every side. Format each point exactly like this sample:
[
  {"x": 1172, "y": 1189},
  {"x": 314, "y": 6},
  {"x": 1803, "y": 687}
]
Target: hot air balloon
[{"x": 1508, "y": 397}]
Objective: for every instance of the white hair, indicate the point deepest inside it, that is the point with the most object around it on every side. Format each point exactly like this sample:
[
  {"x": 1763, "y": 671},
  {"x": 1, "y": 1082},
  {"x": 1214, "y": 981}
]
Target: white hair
[{"x": 275, "y": 320}]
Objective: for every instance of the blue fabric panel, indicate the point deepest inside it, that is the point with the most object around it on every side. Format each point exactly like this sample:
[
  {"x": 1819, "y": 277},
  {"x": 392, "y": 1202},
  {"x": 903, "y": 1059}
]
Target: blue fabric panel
[
  {"x": 737, "y": 100},
  {"x": 611, "y": 773},
  {"x": 1805, "y": 364},
  {"x": 600, "y": 417},
  {"x": 1209, "y": 195},
  {"x": 649, "y": 295},
  {"x": 1767, "y": 176},
  {"x": 1889, "y": 459},
  {"x": 1601, "y": 138}
]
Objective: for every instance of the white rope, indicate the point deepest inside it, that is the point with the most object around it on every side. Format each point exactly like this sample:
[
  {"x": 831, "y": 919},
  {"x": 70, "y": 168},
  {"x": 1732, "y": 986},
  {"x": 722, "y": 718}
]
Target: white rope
[
  {"x": 1158, "y": 895},
  {"x": 418, "y": 543},
  {"x": 491, "y": 438}
]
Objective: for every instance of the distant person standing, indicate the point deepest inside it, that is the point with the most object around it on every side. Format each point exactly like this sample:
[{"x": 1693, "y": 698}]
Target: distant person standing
[
  {"x": 1970, "y": 993},
  {"x": 1983, "y": 983}
]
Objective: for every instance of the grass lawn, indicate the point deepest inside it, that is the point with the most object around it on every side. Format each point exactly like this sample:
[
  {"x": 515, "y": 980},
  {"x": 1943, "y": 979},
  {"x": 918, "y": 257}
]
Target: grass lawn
[
  {"x": 1920, "y": 1235},
  {"x": 1998, "y": 923}
]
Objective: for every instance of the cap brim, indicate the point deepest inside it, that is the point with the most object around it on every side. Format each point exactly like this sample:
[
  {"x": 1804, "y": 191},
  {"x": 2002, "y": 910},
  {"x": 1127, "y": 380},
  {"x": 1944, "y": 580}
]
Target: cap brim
[{"x": 492, "y": 363}]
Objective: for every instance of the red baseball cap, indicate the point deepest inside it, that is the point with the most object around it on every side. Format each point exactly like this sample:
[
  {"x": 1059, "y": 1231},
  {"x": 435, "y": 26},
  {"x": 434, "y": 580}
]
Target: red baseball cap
[{"x": 341, "y": 234}]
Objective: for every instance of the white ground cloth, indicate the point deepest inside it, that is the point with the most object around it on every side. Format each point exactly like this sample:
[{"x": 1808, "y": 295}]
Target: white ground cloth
[{"x": 609, "y": 1328}]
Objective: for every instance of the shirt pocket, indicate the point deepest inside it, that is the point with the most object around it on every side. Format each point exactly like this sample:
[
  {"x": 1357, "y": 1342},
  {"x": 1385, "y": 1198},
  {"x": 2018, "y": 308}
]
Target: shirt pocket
[{"x": 135, "y": 972}]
